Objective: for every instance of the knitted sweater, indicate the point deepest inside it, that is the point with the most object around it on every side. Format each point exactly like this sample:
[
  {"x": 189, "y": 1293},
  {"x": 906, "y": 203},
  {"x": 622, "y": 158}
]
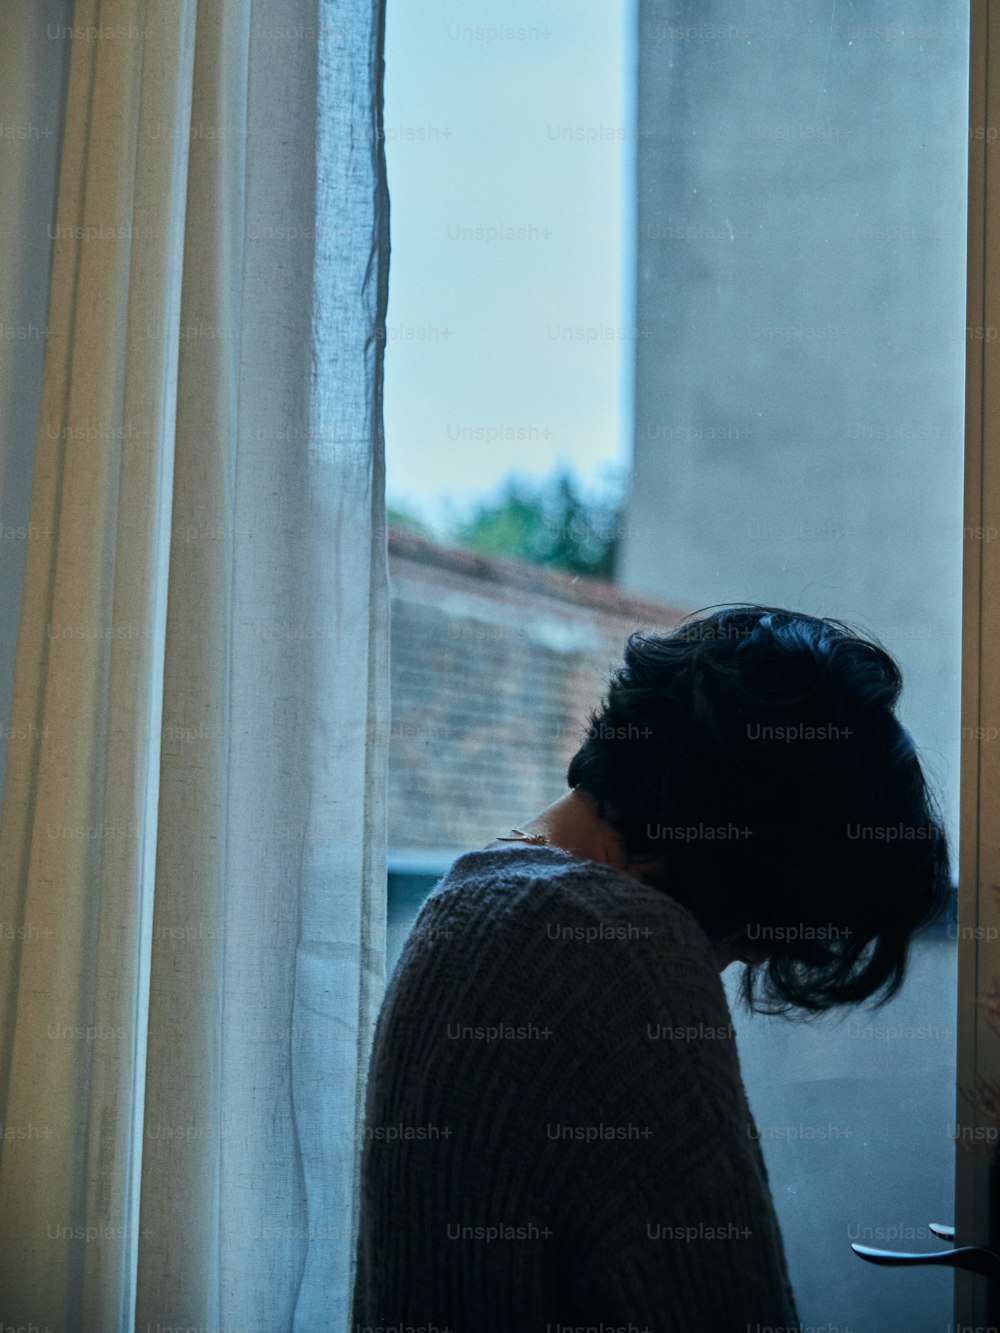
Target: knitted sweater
[{"x": 557, "y": 1133}]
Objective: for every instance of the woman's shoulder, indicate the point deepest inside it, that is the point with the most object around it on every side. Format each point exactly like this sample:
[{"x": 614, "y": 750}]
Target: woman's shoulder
[
  {"x": 597, "y": 962},
  {"x": 526, "y": 890}
]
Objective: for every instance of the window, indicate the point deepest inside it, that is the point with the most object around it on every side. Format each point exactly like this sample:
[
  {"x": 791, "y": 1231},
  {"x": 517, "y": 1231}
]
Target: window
[{"x": 726, "y": 251}]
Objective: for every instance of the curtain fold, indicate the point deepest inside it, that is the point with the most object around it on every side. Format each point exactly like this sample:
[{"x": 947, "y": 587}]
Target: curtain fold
[{"x": 193, "y": 846}]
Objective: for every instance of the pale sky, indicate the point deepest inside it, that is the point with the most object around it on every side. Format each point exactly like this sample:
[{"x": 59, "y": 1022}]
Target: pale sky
[{"x": 510, "y": 148}]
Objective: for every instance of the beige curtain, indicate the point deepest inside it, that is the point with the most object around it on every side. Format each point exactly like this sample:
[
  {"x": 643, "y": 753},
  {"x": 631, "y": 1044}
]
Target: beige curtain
[{"x": 192, "y": 839}]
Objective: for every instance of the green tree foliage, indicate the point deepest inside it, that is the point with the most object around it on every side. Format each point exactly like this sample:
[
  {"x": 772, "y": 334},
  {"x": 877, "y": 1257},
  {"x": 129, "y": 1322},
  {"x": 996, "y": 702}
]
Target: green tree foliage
[
  {"x": 549, "y": 523},
  {"x": 401, "y": 520}
]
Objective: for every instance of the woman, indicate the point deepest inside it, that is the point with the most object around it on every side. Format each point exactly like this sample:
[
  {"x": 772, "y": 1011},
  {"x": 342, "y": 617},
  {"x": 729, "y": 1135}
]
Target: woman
[{"x": 557, "y": 1131}]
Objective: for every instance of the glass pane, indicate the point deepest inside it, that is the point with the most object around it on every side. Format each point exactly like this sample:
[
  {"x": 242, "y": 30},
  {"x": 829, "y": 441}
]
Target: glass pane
[
  {"x": 798, "y": 442},
  {"x": 711, "y": 260},
  {"x": 509, "y": 354}
]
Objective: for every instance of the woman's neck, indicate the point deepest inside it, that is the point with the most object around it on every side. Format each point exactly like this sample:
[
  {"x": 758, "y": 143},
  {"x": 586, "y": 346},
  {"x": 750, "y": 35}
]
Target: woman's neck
[{"x": 571, "y": 824}]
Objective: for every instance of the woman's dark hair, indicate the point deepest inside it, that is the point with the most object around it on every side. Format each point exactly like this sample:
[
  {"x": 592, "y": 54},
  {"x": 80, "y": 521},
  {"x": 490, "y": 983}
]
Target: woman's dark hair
[{"x": 756, "y": 754}]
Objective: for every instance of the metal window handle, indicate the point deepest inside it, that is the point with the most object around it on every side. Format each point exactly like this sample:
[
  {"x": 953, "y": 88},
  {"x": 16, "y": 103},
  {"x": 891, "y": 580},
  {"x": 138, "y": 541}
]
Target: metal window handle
[
  {"x": 983, "y": 1260},
  {"x": 942, "y": 1230},
  {"x": 973, "y": 1258}
]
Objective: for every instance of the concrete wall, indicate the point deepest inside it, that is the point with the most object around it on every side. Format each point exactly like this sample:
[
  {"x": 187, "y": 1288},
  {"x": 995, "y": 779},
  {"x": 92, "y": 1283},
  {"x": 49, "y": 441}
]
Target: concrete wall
[
  {"x": 856, "y": 1117},
  {"x": 800, "y": 294}
]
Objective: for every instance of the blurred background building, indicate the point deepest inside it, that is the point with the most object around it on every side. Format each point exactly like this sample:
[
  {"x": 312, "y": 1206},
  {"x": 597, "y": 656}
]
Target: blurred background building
[
  {"x": 496, "y": 666},
  {"x": 800, "y": 294}
]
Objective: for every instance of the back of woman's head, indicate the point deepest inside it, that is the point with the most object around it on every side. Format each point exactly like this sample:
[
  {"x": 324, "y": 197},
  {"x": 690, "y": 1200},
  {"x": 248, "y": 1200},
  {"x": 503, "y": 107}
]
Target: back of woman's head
[{"x": 754, "y": 759}]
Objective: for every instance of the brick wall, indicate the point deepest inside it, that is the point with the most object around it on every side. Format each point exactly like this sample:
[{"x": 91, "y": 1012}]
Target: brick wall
[{"x": 495, "y": 668}]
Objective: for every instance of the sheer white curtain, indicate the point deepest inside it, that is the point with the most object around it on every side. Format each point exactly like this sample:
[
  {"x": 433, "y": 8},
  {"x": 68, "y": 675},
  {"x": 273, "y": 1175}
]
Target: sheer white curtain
[{"x": 192, "y": 839}]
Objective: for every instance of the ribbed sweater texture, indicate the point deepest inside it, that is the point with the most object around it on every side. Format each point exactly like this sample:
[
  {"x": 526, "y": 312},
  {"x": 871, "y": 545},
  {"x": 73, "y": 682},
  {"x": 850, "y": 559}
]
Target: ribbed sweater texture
[{"x": 557, "y": 1135}]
